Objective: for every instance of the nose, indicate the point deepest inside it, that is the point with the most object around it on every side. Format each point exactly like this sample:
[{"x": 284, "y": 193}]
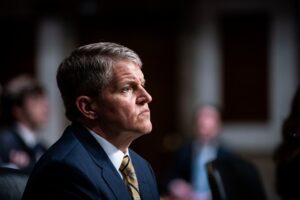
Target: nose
[{"x": 144, "y": 97}]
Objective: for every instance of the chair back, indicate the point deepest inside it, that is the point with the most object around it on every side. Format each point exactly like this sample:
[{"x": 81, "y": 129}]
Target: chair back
[
  {"x": 12, "y": 183},
  {"x": 215, "y": 182}
]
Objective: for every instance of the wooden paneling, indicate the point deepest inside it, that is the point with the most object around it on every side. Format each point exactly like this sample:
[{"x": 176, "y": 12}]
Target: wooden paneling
[{"x": 245, "y": 42}]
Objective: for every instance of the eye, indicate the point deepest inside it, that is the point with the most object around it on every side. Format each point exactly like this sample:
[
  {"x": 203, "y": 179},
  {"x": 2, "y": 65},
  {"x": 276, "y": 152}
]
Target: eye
[{"x": 126, "y": 89}]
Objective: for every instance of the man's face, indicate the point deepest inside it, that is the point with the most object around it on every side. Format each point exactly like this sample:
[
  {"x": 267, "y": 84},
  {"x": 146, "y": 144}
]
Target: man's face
[
  {"x": 35, "y": 110},
  {"x": 208, "y": 124},
  {"x": 123, "y": 106}
]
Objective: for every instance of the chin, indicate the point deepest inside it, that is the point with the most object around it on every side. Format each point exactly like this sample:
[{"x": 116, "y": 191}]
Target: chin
[
  {"x": 146, "y": 129},
  {"x": 145, "y": 126},
  {"x": 149, "y": 127}
]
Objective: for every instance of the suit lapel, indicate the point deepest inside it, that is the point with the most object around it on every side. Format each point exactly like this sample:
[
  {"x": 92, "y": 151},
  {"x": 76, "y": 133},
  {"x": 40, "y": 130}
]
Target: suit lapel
[
  {"x": 116, "y": 184},
  {"x": 19, "y": 140},
  {"x": 143, "y": 179},
  {"x": 109, "y": 173}
]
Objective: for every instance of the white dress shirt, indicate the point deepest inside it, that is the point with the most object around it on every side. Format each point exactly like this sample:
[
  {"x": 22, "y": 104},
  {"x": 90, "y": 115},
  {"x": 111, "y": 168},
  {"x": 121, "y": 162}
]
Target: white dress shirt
[
  {"x": 28, "y": 136},
  {"x": 114, "y": 154},
  {"x": 202, "y": 155}
]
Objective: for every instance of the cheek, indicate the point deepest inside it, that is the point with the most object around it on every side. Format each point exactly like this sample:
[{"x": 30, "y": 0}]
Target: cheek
[
  {"x": 38, "y": 110},
  {"x": 126, "y": 112},
  {"x": 117, "y": 110}
]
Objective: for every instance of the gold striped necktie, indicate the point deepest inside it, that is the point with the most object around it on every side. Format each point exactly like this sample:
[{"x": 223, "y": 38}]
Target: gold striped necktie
[{"x": 129, "y": 177}]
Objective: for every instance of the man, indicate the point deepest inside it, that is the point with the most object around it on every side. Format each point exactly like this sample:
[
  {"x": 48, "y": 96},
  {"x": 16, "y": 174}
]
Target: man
[
  {"x": 234, "y": 177},
  {"x": 287, "y": 154},
  {"x": 24, "y": 112},
  {"x": 102, "y": 87}
]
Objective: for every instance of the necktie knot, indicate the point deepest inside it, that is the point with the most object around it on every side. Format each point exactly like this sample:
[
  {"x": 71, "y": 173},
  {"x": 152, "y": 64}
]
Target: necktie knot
[{"x": 126, "y": 167}]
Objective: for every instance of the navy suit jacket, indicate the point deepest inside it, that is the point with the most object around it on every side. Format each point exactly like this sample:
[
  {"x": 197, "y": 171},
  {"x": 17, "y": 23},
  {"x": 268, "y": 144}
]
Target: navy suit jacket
[
  {"x": 11, "y": 141},
  {"x": 76, "y": 167}
]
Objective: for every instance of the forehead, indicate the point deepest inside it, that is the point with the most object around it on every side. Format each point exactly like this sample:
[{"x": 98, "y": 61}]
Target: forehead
[{"x": 127, "y": 70}]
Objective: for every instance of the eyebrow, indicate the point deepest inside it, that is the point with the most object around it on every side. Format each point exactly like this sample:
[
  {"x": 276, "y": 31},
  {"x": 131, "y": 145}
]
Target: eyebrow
[
  {"x": 142, "y": 80},
  {"x": 133, "y": 80}
]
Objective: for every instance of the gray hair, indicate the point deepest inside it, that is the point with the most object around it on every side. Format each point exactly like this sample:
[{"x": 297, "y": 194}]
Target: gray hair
[{"x": 88, "y": 70}]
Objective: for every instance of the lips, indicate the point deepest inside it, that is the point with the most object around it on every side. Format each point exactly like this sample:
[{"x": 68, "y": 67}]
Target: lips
[{"x": 145, "y": 112}]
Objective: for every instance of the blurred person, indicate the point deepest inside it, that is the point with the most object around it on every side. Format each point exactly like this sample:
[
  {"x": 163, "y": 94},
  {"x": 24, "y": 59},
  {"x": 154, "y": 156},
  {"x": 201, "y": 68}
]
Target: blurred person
[
  {"x": 24, "y": 113},
  {"x": 103, "y": 89},
  {"x": 188, "y": 178},
  {"x": 287, "y": 155}
]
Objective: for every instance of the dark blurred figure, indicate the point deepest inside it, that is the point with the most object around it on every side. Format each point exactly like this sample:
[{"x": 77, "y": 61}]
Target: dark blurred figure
[
  {"x": 287, "y": 155},
  {"x": 24, "y": 112},
  {"x": 237, "y": 179}
]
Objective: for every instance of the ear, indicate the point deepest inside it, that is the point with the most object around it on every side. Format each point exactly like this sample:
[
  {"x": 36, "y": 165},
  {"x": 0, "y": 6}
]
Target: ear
[{"x": 85, "y": 105}]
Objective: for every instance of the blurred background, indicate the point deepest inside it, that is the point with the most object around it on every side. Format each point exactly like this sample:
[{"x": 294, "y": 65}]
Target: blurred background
[{"x": 240, "y": 55}]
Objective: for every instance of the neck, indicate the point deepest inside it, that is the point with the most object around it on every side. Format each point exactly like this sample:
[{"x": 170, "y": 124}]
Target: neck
[{"x": 121, "y": 141}]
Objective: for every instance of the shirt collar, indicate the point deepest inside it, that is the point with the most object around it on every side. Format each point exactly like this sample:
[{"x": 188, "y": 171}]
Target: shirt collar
[
  {"x": 28, "y": 136},
  {"x": 114, "y": 154}
]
